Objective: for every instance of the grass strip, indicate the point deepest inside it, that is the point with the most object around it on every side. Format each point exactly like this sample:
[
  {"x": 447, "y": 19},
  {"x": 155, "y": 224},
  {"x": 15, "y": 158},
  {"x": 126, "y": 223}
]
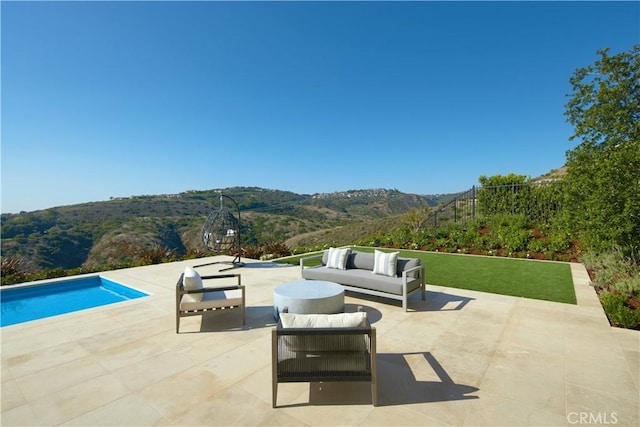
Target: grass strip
[{"x": 548, "y": 281}]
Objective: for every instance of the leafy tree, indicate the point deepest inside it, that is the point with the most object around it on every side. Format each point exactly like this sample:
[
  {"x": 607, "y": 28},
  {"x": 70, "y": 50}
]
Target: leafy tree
[
  {"x": 603, "y": 170},
  {"x": 416, "y": 219}
]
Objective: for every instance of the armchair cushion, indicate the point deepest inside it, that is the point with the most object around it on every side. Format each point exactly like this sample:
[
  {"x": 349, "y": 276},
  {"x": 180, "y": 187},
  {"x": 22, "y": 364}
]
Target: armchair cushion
[
  {"x": 326, "y": 341},
  {"x": 212, "y": 299},
  {"x": 340, "y": 320},
  {"x": 191, "y": 281}
]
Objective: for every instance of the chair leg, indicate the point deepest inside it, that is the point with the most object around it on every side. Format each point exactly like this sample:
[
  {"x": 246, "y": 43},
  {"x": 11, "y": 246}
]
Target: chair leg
[
  {"x": 374, "y": 394},
  {"x": 274, "y": 393},
  {"x": 374, "y": 368},
  {"x": 274, "y": 368},
  {"x": 243, "y": 307}
]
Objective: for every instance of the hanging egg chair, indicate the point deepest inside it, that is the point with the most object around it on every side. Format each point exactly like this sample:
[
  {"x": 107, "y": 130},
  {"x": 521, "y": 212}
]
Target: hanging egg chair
[{"x": 221, "y": 231}]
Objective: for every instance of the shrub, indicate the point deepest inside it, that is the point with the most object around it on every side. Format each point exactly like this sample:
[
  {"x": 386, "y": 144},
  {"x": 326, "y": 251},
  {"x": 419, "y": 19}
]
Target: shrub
[
  {"x": 276, "y": 250},
  {"x": 628, "y": 286},
  {"x": 610, "y": 267},
  {"x": 617, "y": 312},
  {"x": 12, "y": 268},
  {"x": 559, "y": 242},
  {"x": 155, "y": 254},
  {"x": 537, "y": 245},
  {"x": 515, "y": 240},
  {"x": 252, "y": 251}
]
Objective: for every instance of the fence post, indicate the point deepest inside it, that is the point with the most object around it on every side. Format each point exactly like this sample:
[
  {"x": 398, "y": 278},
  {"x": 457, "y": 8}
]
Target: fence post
[
  {"x": 455, "y": 210},
  {"x": 473, "y": 202}
]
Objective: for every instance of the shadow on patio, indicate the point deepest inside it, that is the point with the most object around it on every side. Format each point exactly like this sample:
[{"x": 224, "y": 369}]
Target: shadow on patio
[{"x": 403, "y": 379}]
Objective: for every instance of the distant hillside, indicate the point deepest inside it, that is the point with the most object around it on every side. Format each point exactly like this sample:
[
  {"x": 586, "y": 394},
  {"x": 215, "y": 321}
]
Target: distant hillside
[
  {"x": 552, "y": 175},
  {"x": 98, "y": 233}
]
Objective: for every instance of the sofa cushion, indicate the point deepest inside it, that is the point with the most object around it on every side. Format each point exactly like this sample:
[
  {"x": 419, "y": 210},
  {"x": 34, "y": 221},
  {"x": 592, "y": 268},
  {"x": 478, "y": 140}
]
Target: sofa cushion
[
  {"x": 357, "y": 278},
  {"x": 407, "y": 264},
  {"x": 385, "y": 263},
  {"x": 191, "y": 281},
  {"x": 337, "y": 258},
  {"x": 360, "y": 260}
]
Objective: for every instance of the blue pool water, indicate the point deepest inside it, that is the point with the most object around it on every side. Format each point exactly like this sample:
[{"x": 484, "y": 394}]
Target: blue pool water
[{"x": 39, "y": 301}]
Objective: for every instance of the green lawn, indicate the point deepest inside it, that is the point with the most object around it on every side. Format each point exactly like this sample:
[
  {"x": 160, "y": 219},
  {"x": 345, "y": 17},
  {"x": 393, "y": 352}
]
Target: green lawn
[{"x": 549, "y": 281}]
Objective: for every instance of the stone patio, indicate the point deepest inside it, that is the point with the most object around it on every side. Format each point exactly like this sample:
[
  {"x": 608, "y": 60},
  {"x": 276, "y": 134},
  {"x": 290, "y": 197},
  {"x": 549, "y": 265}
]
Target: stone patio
[{"x": 458, "y": 358}]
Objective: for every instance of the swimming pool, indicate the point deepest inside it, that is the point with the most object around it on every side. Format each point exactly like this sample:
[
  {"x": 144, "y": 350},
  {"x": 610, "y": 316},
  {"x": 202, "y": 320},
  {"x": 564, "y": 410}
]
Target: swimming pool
[{"x": 28, "y": 303}]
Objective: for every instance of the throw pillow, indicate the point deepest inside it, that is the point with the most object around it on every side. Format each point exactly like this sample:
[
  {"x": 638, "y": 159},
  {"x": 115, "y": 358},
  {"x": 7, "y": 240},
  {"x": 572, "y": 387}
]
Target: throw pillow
[
  {"x": 340, "y": 320},
  {"x": 385, "y": 263},
  {"x": 191, "y": 282},
  {"x": 338, "y": 258}
]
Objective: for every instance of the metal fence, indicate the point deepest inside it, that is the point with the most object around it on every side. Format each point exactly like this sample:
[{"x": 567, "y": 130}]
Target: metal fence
[{"x": 538, "y": 201}]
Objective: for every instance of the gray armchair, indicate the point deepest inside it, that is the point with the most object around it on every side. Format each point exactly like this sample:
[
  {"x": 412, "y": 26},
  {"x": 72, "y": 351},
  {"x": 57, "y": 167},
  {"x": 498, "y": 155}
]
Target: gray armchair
[
  {"x": 323, "y": 352},
  {"x": 195, "y": 299}
]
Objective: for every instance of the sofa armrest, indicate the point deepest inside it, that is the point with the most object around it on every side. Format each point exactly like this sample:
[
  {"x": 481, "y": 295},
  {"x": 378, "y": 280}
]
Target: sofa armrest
[
  {"x": 420, "y": 268},
  {"x": 304, "y": 261}
]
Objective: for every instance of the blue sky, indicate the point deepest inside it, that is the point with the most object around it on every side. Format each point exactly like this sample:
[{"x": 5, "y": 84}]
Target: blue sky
[{"x": 112, "y": 99}]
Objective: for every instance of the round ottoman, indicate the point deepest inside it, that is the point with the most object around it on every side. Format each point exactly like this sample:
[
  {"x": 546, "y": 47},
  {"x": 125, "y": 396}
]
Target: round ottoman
[{"x": 308, "y": 297}]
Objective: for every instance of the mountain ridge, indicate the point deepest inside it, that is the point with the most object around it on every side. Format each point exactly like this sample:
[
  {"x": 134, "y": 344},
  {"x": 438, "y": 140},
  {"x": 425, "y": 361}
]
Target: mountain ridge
[{"x": 108, "y": 232}]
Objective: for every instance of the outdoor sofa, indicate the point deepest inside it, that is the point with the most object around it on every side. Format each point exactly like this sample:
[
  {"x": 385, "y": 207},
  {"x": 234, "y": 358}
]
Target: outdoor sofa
[{"x": 382, "y": 274}]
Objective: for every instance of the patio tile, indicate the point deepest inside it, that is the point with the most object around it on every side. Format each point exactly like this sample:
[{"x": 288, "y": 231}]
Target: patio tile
[
  {"x": 229, "y": 407},
  {"x": 280, "y": 418},
  {"x": 597, "y": 347},
  {"x": 399, "y": 416},
  {"x": 533, "y": 340},
  {"x": 534, "y": 378},
  {"x": 5, "y": 373},
  {"x": 31, "y": 336},
  {"x": 458, "y": 358},
  {"x": 38, "y": 360},
  {"x": 12, "y": 396},
  {"x": 19, "y": 416},
  {"x": 129, "y": 410},
  {"x": 74, "y": 401},
  {"x": 324, "y": 410},
  {"x": 150, "y": 370},
  {"x": 603, "y": 376},
  {"x": 130, "y": 353},
  {"x": 449, "y": 412},
  {"x": 495, "y": 410},
  {"x": 177, "y": 394},
  {"x": 60, "y": 377},
  {"x": 465, "y": 369},
  {"x": 629, "y": 342},
  {"x": 600, "y": 408},
  {"x": 125, "y": 335}
]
